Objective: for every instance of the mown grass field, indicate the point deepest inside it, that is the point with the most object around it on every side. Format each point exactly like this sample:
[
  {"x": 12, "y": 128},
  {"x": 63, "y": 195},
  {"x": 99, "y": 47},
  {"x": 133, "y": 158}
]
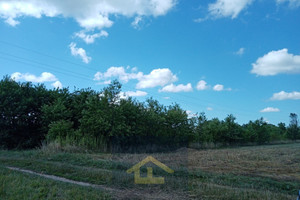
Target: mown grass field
[{"x": 261, "y": 172}]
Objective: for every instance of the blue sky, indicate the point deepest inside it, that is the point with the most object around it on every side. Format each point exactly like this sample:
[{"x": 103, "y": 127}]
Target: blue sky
[{"x": 239, "y": 57}]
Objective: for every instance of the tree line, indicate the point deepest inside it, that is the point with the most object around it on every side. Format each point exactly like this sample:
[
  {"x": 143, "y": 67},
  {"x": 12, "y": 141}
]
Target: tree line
[{"x": 32, "y": 114}]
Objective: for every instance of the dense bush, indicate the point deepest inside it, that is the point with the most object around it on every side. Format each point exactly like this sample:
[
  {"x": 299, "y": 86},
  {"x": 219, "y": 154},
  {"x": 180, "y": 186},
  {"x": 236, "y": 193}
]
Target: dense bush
[
  {"x": 103, "y": 120},
  {"x": 20, "y": 113}
]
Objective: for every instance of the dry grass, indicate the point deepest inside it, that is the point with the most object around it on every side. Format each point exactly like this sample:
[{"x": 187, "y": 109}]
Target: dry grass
[
  {"x": 278, "y": 161},
  {"x": 257, "y": 172},
  {"x": 275, "y": 161}
]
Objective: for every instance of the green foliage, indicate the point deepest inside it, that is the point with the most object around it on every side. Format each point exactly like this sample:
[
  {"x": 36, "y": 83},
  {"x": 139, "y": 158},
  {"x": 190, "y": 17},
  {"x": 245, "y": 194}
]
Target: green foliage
[
  {"x": 293, "y": 131},
  {"x": 17, "y": 185},
  {"x": 257, "y": 132},
  {"x": 104, "y": 120},
  {"x": 20, "y": 111},
  {"x": 60, "y": 130}
]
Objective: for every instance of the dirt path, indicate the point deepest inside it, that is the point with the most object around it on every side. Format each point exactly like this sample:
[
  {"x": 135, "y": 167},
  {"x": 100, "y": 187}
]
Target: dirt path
[
  {"x": 61, "y": 179},
  {"x": 116, "y": 193}
]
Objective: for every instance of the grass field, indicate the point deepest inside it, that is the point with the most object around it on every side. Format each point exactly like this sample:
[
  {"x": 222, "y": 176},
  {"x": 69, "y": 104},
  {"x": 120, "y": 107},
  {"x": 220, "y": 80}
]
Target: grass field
[{"x": 261, "y": 172}]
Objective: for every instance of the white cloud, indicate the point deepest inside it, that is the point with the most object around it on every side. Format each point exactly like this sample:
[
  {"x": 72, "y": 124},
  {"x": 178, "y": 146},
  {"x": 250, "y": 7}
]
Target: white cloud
[
  {"x": 57, "y": 84},
  {"x": 135, "y": 24},
  {"x": 177, "y": 88},
  {"x": 138, "y": 93},
  {"x": 44, "y": 77},
  {"x": 11, "y": 21},
  {"x": 277, "y": 62},
  {"x": 167, "y": 98},
  {"x": 218, "y": 87},
  {"x": 202, "y": 85},
  {"x": 286, "y": 96},
  {"x": 228, "y": 8},
  {"x": 79, "y": 52},
  {"x": 96, "y": 21},
  {"x": 292, "y": 3},
  {"x": 190, "y": 114},
  {"x": 89, "y": 14},
  {"x": 89, "y": 39},
  {"x": 270, "y": 109},
  {"x": 240, "y": 52},
  {"x": 157, "y": 77},
  {"x": 118, "y": 72},
  {"x": 16, "y": 76},
  {"x": 98, "y": 76}
]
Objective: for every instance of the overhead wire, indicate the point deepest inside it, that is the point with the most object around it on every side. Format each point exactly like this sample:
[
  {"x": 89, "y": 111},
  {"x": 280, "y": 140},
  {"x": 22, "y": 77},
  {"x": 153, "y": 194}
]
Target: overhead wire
[
  {"x": 81, "y": 76},
  {"x": 46, "y": 55}
]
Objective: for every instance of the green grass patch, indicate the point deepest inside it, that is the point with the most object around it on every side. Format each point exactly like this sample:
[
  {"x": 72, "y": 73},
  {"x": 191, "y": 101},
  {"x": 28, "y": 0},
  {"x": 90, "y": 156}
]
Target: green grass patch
[
  {"x": 16, "y": 185},
  {"x": 103, "y": 169}
]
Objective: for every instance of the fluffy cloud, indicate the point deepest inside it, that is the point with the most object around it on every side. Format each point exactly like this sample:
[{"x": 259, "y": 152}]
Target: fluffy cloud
[
  {"x": 79, "y": 52},
  {"x": 286, "y": 96},
  {"x": 89, "y": 39},
  {"x": 218, "y": 87},
  {"x": 228, "y": 8},
  {"x": 57, "y": 84},
  {"x": 137, "y": 93},
  {"x": 202, "y": 85},
  {"x": 44, "y": 77},
  {"x": 277, "y": 62},
  {"x": 270, "y": 109},
  {"x": 292, "y": 3},
  {"x": 89, "y": 14},
  {"x": 118, "y": 72},
  {"x": 11, "y": 10},
  {"x": 177, "y": 88},
  {"x": 157, "y": 77}
]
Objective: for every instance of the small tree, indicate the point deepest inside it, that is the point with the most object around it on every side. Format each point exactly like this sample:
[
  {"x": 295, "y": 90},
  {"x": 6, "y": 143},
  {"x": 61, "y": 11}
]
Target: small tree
[
  {"x": 293, "y": 129},
  {"x": 231, "y": 130},
  {"x": 201, "y": 122},
  {"x": 282, "y": 128}
]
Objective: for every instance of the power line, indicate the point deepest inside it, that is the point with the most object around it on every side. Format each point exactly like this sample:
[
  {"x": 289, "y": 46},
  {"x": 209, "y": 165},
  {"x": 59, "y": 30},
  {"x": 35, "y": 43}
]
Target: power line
[
  {"x": 80, "y": 76},
  {"x": 44, "y": 66},
  {"x": 58, "y": 71},
  {"x": 46, "y": 55}
]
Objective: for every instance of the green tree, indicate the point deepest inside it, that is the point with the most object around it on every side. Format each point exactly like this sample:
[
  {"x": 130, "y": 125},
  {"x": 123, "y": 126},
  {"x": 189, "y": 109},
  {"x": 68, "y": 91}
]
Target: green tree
[
  {"x": 59, "y": 131},
  {"x": 212, "y": 131},
  {"x": 256, "y": 132},
  {"x": 200, "y": 124},
  {"x": 282, "y": 128},
  {"x": 293, "y": 129},
  {"x": 95, "y": 123},
  {"x": 179, "y": 129},
  {"x": 231, "y": 131},
  {"x": 20, "y": 111}
]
